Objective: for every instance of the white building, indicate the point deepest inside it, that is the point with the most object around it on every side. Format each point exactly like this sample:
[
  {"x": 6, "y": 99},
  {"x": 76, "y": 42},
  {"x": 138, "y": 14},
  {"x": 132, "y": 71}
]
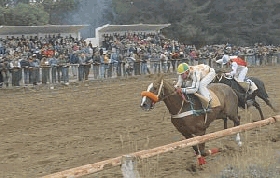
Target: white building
[{"x": 41, "y": 31}]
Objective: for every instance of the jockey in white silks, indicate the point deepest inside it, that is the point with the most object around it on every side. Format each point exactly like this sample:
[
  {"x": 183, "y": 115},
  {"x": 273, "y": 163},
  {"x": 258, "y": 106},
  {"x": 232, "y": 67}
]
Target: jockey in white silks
[
  {"x": 200, "y": 76},
  {"x": 239, "y": 71}
]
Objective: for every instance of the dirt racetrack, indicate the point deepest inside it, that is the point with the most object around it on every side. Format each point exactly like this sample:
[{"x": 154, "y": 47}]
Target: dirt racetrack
[{"x": 44, "y": 131}]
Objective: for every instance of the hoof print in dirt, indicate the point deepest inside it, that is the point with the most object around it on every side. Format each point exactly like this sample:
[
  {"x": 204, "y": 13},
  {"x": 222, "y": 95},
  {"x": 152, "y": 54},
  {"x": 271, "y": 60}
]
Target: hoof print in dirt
[{"x": 191, "y": 167}]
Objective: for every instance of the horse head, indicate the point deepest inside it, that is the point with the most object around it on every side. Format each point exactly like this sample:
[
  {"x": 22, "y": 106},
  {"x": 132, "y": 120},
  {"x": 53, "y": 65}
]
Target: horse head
[
  {"x": 156, "y": 91},
  {"x": 221, "y": 77}
]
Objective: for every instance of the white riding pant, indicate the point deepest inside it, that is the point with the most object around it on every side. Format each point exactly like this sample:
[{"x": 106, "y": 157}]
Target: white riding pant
[
  {"x": 241, "y": 74},
  {"x": 203, "y": 90}
]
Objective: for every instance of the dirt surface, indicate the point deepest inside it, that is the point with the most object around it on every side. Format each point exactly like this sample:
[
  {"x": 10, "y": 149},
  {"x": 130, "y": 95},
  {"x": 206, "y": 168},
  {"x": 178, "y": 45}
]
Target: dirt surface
[{"x": 43, "y": 131}]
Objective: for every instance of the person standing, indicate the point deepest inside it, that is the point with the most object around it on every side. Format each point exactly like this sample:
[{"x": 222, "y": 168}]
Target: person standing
[
  {"x": 74, "y": 59},
  {"x": 15, "y": 69},
  {"x": 34, "y": 73},
  {"x": 53, "y": 64},
  {"x": 155, "y": 61},
  {"x": 144, "y": 63},
  {"x": 114, "y": 59},
  {"x": 164, "y": 61},
  {"x": 106, "y": 60},
  {"x": 4, "y": 69},
  {"x": 64, "y": 64},
  {"x": 83, "y": 69},
  {"x": 45, "y": 70},
  {"x": 96, "y": 65},
  {"x": 25, "y": 65}
]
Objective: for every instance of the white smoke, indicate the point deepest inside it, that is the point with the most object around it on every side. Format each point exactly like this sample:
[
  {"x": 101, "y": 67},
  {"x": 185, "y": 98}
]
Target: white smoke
[{"x": 90, "y": 12}]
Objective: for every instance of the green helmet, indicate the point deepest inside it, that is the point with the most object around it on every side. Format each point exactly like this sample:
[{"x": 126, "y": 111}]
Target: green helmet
[{"x": 183, "y": 67}]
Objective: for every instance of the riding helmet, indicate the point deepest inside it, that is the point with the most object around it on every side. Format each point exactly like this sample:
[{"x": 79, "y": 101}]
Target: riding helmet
[{"x": 183, "y": 67}]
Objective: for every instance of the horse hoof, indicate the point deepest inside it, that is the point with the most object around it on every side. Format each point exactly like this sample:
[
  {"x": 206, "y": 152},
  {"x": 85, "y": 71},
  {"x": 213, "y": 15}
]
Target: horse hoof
[
  {"x": 213, "y": 151},
  {"x": 239, "y": 143},
  {"x": 201, "y": 160}
]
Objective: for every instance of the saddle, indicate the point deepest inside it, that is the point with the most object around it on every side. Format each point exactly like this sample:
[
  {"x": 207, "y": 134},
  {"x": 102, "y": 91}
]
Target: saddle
[
  {"x": 244, "y": 85},
  {"x": 214, "y": 102},
  {"x": 248, "y": 85}
]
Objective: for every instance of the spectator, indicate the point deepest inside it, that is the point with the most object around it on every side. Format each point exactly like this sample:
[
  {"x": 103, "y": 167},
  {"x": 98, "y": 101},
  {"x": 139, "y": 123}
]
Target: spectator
[
  {"x": 4, "y": 69},
  {"x": 155, "y": 60},
  {"x": 54, "y": 65},
  {"x": 96, "y": 65},
  {"x": 84, "y": 66},
  {"x": 106, "y": 61},
  {"x": 15, "y": 69},
  {"x": 74, "y": 60},
  {"x": 64, "y": 64},
  {"x": 34, "y": 74},
  {"x": 144, "y": 60},
  {"x": 164, "y": 60},
  {"x": 25, "y": 67},
  {"x": 114, "y": 60},
  {"x": 45, "y": 70}
]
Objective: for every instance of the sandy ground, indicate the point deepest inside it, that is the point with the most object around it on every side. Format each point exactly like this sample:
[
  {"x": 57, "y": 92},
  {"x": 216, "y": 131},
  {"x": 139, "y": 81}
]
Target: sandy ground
[{"x": 44, "y": 131}]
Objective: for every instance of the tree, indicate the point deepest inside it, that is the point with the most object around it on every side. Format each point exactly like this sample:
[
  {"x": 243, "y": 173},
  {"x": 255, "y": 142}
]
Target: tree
[
  {"x": 21, "y": 12},
  {"x": 25, "y": 15},
  {"x": 205, "y": 21},
  {"x": 58, "y": 9}
]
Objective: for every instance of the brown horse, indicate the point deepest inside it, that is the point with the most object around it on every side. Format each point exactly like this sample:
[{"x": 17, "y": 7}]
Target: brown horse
[{"x": 187, "y": 113}]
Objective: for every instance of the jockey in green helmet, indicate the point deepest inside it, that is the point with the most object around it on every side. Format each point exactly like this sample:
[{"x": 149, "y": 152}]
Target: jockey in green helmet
[{"x": 196, "y": 78}]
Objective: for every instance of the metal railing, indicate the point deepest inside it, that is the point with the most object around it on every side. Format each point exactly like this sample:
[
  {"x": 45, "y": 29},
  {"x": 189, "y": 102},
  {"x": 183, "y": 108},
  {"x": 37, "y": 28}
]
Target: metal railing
[{"x": 75, "y": 73}]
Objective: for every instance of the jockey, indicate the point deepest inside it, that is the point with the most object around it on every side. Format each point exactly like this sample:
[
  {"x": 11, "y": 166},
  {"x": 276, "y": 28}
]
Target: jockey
[
  {"x": 239, "y": 68},
  {"x": 224, "y": 58},
  {"x": 239, "y": 71},
  {"x": 200, "y": 75}
]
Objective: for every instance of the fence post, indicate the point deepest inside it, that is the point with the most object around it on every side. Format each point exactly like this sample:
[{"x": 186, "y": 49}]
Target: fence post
[{"x": 129, "y": 167}]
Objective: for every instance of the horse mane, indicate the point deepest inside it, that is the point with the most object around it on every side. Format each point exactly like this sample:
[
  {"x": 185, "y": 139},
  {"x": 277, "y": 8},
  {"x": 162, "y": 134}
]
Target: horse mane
[
  {"x": 194, "y": 100},
  {"x": 168, "y": 85}
]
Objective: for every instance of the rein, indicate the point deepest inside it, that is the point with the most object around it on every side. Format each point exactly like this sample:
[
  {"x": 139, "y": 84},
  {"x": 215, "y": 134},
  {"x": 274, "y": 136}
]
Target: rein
[{"x": 155, "y": 98}]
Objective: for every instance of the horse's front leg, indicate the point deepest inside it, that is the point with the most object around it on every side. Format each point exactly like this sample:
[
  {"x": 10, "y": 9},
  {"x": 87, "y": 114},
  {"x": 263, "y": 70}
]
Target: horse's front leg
[{"x": 200, "y": 153}]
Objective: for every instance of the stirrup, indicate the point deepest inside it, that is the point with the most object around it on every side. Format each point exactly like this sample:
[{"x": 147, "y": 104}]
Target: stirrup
[{"x": 208, "y": 108}]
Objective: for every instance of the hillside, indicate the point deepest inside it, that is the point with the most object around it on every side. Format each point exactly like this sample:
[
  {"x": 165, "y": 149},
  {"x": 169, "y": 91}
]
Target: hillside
[{"x": 205, "y": 21}]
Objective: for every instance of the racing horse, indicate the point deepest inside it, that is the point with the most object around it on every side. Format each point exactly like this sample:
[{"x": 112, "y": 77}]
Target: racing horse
[
  {"x": 187, "y": 112},
  {"x": 244, "y": 97}
]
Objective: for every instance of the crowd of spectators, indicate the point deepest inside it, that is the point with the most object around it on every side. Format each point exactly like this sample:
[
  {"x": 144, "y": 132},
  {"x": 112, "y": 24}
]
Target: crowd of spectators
[{"x": 55, "y": 59}]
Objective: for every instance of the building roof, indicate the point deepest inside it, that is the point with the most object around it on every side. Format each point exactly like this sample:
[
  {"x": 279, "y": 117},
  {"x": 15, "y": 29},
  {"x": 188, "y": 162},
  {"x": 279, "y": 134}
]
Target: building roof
[
  {"x": 133, "y": 27},
  {"x": 14, "y": 30}
]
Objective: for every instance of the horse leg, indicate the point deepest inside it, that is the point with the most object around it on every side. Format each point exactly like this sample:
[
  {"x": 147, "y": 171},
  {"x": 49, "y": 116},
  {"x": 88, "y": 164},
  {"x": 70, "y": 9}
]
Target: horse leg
[
  {"x": 258, "y": 107},
  {"x": 268, "y": 103},
  {"x": 225, "y": 122},
  {"x": 200, "y": 153},
  {"x": 236, "y": 122},
  {"x": 237, "y": 138}
]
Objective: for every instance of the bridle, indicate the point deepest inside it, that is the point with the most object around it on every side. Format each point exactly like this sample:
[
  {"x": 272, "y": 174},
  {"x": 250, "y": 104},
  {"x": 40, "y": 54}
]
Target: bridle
[
  {"x": 220, "y": 77},
  {"x": 156, "y": 97}
]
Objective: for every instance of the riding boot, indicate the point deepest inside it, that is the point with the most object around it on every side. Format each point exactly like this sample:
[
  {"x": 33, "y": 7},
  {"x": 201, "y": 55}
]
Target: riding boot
[{"x": 252, "y": 87}]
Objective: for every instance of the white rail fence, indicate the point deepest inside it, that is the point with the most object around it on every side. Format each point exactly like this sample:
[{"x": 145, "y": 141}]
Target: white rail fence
[{"x": 128, "y": 164}]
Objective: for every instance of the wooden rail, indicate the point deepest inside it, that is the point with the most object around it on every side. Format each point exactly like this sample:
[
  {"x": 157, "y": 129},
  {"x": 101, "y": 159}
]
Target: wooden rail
[{"x": 92, "y": 168}]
